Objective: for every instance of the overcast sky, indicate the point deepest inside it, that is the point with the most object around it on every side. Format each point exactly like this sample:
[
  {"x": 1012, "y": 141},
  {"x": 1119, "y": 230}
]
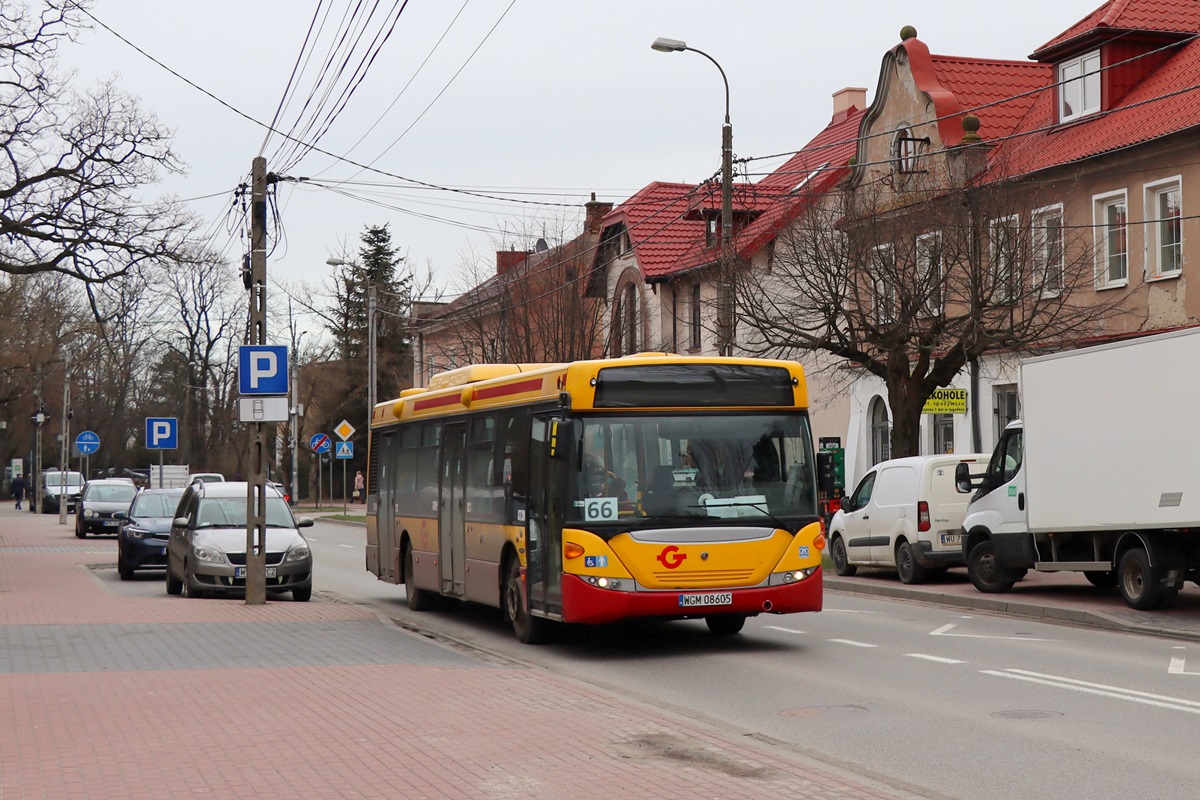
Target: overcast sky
[{"x": 563, "y": 98}]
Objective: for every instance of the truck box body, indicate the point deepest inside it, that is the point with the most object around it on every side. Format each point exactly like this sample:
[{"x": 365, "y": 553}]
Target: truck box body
[{"x": 1111, "y": 436}]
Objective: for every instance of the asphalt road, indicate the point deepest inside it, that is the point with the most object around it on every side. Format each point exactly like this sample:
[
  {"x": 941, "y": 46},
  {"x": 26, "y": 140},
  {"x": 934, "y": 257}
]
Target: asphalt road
[{"x": 958, "y": 704}]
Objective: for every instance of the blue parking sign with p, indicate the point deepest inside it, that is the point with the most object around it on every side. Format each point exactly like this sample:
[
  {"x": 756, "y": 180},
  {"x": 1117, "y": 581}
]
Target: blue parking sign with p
[
  {"x": 263, "y": 369},
  {"x": 162, "y": 433}
]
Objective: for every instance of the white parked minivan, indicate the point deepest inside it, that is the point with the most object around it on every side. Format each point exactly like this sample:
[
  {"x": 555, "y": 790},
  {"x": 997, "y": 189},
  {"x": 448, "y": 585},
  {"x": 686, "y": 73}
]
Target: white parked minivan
[{"x": 904, "y": 513}]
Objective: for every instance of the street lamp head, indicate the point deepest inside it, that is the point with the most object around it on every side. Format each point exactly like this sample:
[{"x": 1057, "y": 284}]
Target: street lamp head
[
  {"x": 668, "y": 45},
  {"x": 335, "y": 262}
]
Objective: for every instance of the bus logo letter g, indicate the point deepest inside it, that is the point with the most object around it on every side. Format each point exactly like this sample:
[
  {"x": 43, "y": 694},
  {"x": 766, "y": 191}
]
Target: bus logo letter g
[{"x": 670, "y": 557}]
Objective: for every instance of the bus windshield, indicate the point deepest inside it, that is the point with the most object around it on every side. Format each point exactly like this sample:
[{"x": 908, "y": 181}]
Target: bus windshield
[{"x": 747, "y": 467}]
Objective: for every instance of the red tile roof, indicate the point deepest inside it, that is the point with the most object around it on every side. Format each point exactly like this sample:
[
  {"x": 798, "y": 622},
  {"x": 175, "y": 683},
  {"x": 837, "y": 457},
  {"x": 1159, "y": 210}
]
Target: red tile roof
[
  {"x": 1164, "y": 103},
  {"x": 658, "y": 229},
  {"x": 1000, "y": 93},
  {"x": 1155, "y": 16}
]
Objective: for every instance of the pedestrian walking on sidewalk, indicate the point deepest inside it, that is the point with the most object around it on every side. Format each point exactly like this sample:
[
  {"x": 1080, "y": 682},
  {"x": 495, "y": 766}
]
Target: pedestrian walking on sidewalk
[
  {"x": 360, "y": 486},
  {"x": 18, "y": 489}
]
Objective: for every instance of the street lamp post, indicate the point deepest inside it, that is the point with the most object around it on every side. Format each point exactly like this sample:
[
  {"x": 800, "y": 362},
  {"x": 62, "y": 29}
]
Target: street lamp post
[
  {"x": 725, "y": 297},
  {"x": 295, "y": 413}
]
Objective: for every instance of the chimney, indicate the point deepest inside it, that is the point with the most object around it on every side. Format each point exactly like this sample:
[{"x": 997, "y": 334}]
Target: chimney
[
  {"x": 596, "y": 211},
  {"x": 507, "y": 259},
  {"x": 846, "y": 99}
]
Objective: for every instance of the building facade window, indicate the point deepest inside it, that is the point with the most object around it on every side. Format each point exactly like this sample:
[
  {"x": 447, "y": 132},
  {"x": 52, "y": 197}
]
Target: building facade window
[
  {"x": 1047, "y": 236},
  {"x": 906, "y": 151},
  {"x": 626, "y": 323},
  {"x": 883, "y": 276},
  {"x": 694, "y": 317},
  {"x": 1164, "y": 231},
  {"x": 881, "y": 432},
  {"x": 942, "y": 427},
  {"x": 1008, "y": 407},
  {"x": 1110, "y": 214},
  {"x": 929, "y": 272},
  {"x": 1003, "y": 234},
  {"x": 1079, "y": 86}
]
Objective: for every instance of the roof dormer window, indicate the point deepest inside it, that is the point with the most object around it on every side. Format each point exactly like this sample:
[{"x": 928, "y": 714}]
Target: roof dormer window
[{"x": 1079, "y": 86}]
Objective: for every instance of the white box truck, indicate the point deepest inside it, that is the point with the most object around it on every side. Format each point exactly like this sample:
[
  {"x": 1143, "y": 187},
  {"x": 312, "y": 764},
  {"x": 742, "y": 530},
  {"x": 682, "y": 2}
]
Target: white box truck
[{"x": 1101, "y": 475}]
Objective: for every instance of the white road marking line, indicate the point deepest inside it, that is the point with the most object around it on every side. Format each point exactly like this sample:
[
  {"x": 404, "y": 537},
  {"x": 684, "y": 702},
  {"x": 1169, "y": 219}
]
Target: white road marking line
[
  {"x": 944, "y": 631},
  {"x": 853, "y": 643},
  {"x": 1177, "y": 667},
  {"x": 938, "y": 659},
  {"x": 347, "y": 546},
  {"x": 785, "y": 630},
  {"x": 1103, "y": 690}
]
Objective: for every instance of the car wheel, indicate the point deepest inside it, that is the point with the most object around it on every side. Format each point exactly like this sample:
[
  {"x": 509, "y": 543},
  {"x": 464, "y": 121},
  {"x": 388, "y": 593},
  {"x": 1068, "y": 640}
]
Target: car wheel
[
  {"x": 302, "y": 595},
  {"x": 174, "y": 585},
  {"x": 986, "y": 571},
  {"x": 528, "y": 628},
  {"x": 841, "y": 561},
  {"x": 906, "y": 564},
  {"x": 124, "y": 571},
  {"x": 725, "y": 624},
  {"x": 1141, "y": 584},
  {"x": 189, "y": 583},
  {"x": 80, "y": 533},
  {"x": 418, "y": 599}
]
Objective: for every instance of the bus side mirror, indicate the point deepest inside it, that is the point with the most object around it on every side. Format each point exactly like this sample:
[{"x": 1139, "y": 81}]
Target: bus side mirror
[{"x": 561, "y": 435}]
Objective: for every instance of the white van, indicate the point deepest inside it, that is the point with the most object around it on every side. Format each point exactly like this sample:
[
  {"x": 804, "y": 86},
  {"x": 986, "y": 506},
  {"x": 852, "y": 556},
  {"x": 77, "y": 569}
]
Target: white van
[{"x": 904, "y": 513}]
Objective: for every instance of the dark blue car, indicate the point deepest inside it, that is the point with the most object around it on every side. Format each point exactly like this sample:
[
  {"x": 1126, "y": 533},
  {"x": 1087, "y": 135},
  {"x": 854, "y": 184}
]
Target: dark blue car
[{"x": 145, "y": 529}]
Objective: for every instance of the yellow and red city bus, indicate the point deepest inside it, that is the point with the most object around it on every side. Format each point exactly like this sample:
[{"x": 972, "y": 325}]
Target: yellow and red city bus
[{"x": 652, "y": 485}]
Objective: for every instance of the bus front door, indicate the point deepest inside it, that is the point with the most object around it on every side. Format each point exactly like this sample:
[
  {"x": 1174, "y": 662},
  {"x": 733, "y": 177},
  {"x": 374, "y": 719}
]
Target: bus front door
[
  {"x": 387, "y": 449},
  {"x": 451, "y": 532},
  {"x": 543, "y": 537}
]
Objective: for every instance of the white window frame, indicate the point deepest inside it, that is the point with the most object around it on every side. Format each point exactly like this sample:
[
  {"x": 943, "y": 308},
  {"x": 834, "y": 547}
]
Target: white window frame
[
  {"x": 1042, "y": 255},
  {"x": 1154, "y": 227},
  {"x": 883, "y": 287},
  {"x": 1007, "y": 277},
  {"x": 906, "y": 151},
  {"x": 932, "y": 304},
  {"x": 1075, "y": 78},
  {"x": 1100, "y": 205}
]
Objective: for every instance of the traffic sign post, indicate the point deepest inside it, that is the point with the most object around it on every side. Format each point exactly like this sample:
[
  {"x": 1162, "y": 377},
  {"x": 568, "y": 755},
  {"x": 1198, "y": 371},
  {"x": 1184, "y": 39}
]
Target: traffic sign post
[
  {"x": 162, "y": 433},
  {"x": 321, "y": 444},
  {"x": 345, "y": 452}
]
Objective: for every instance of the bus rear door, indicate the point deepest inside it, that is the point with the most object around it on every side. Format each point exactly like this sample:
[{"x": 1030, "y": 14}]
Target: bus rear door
[
  {"x": 451, "y": 513},
  {"x": 384, "y": 490}
]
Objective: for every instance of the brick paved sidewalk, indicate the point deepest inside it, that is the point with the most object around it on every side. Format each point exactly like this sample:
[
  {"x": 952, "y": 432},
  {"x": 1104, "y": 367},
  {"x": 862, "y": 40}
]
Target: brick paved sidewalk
[{"x": 113, "y": 690}]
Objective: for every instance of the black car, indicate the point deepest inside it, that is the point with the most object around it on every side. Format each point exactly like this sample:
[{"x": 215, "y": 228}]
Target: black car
[
  {"x": 144, "y": 530},
  {"x": 101, "y": 499},
  {"x": 58, "y": 485}
]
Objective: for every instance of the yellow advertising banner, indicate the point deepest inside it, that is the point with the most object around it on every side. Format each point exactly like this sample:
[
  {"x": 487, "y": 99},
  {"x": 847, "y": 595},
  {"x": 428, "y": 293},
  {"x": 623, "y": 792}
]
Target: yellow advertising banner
[{"x": 946, "y": 401}]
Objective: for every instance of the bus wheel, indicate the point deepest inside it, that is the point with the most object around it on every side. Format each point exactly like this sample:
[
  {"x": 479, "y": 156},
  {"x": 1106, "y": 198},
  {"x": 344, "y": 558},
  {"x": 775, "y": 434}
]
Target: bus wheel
[
  {"x": 418, "y": 599},
  {"x": 725, "y": 624},
  {"x": 528, "y": 628}
]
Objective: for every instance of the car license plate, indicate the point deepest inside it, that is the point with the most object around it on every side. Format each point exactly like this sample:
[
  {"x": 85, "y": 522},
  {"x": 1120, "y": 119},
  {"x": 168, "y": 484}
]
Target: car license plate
[
  {"x": 951, "y": 538},
  {"x": 110, "y": 523},
  {"x": 707, "y": 599},
  {"x": 240, "y": 572}
]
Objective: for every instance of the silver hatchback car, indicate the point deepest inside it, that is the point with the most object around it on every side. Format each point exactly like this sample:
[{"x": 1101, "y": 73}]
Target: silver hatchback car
[{"x": 206, "y": 552}]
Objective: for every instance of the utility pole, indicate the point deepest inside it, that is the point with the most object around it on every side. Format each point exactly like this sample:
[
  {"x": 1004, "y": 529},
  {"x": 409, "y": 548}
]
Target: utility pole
[
  {"x": 64, "y": 483},
  {"x": 256, "y": 492},
  {"x": 371, "y": 357}
]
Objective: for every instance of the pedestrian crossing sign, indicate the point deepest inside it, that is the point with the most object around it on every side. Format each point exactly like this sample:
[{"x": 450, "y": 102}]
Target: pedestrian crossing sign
[{"x": 345, "y": 450}]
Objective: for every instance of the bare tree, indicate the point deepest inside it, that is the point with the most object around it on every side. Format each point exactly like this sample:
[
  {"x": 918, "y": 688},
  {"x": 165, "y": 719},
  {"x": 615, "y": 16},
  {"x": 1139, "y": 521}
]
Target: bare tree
[
  {"x": 913, "y": 288},
  {"x": 73, "y": 163}
]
